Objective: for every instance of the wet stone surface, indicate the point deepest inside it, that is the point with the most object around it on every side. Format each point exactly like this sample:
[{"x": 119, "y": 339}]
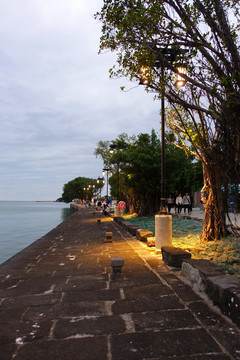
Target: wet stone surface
[{"x": 58, "y": 301}]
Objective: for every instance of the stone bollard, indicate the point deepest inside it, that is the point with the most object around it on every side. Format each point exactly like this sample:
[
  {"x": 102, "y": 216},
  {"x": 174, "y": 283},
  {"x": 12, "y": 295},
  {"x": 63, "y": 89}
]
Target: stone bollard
[
  {"x": 117, "y": 264},
  {"x": 108, "y": 237},
  {"x": 118, "y": 212},
  {"x": 163, "y": 231}
]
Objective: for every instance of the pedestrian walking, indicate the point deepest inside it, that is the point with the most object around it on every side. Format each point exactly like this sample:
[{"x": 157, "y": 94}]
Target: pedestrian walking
[
  {"x": 179, "y": 203},
  {"x": 170, "y": 202},
  {"x": 186, "y": 203},
  {"x": 232, "y": 200},
  {"x": 191, "y": 204},
  {"x": 174, "y": 201}
]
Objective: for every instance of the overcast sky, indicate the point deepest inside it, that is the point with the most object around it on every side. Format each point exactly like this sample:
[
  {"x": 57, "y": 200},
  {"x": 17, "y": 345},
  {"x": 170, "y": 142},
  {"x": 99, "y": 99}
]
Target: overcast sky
[{"x": 56, "y": 98}]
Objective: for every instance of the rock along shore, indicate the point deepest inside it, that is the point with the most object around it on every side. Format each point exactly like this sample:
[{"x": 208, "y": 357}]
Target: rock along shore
[{"x": 60, "y": 300}]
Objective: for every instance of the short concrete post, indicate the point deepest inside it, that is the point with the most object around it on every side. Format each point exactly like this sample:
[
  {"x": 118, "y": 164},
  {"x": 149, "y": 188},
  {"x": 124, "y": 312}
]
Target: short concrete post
[
  {"x": 108, "y": 237},
  {"x": 163, "y": 231},
  {"x": 118, "y": 212},
  {"x": 117, "y": 264}
]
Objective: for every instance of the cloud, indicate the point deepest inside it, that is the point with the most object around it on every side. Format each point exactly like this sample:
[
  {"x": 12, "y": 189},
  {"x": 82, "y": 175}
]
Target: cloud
[{"x": 56, "y": 98}]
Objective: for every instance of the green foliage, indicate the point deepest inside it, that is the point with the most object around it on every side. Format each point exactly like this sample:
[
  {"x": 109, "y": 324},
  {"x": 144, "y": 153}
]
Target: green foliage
[
  {"x": 139, "y": 30},
  {"x": 204, "y": 36},
  {"x": 136, "y": 165},
  {"x": 74, "y": 189},
  {"x": 183, "y": 174}
]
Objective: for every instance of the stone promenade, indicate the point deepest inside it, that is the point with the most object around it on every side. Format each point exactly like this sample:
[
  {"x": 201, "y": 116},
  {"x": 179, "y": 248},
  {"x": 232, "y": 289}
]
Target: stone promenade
[{"x": 58, "y": 301}]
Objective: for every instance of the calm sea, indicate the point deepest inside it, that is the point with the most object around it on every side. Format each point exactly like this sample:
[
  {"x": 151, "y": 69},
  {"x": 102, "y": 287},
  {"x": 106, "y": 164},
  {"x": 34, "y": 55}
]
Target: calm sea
[{"x": 23, "y": 222}]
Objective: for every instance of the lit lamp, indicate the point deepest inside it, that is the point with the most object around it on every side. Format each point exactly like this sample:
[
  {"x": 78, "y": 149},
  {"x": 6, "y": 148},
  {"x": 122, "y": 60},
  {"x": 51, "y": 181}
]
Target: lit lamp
[
  {"x": 179, "y": 80},
  {"x": 100, "y": 180},
  {"x": 112, "y": 147},
  {"x": 144, "y": 76},
  {"x": 85, "y": 190}
]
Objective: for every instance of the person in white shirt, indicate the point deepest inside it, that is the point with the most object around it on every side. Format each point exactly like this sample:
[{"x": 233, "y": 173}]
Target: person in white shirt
[
  {"x": 170, "y": 202},
  {"x": 179, "y": 203},
  {"x": 186, "y": 203}
]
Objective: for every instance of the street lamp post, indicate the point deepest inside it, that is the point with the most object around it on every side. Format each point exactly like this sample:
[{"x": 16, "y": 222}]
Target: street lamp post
[
  {"x": 100, "y": 181},
  {"x": 112, "y": 147},
  {"x": 163, "y": 208},
  {"x": 92, "y": 190},
  {"x": 163, "y": 222},
  {"x": 170, "y": 56},
  {"x": 103, "y": 173},
  {"x": 85, "y": 191}
]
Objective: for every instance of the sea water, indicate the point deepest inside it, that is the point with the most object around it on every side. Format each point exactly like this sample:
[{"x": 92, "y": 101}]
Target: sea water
[{"x": 23, "y": 222}]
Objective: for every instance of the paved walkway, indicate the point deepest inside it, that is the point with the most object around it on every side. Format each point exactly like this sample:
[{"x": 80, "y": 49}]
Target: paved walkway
[
  {"x": 234, "y": 219},
  {"x": 57, "y": 301}
]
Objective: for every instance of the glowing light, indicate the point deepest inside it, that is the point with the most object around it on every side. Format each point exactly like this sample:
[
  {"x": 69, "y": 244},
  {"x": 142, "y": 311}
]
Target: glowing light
[
  {"x": 179, "y": 80},
  {"x": 144, "y": 76}
]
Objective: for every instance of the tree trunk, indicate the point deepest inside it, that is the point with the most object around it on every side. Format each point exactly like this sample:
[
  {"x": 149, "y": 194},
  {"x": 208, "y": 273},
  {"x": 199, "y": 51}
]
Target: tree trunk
[
  {"x": 214, "y": 224},
  {"x": 143, "y": 208},
  {"x": 131, "y": 204},
  {"x": 147, "y": 205}
]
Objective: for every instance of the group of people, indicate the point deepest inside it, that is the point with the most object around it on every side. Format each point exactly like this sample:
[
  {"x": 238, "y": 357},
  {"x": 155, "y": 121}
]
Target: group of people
[
  {"x": 178, "y": 203},
  {"x": 105, "y": 205},
  {"x": 100, "y": 203}
]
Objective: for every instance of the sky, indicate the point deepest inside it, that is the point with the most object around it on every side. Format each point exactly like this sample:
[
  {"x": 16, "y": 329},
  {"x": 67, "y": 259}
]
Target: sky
[{"x": 56, "y": 98}]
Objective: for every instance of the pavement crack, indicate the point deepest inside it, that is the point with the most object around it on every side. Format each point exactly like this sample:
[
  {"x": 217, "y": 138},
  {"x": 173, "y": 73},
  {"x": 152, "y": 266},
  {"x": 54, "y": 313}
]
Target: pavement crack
[
  {"x": 122, "y": 293},
  {"x": 51, "y": 332},
  {"x": 129, "y": 323},
  {"x": 109, "y": 353},
  {"x": 108, "y": 307},
  {"x": 14, "y": 286}
]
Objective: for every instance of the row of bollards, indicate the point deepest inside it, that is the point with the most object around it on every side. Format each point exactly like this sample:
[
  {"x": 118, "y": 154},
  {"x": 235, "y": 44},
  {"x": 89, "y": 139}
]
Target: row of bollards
[
  {"x": 163, "y": 229},
  {"x": 116, "y": 262}
]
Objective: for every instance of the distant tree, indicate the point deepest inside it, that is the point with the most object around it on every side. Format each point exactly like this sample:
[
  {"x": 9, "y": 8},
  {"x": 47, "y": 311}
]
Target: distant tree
[{"x": 74, "y": 189}]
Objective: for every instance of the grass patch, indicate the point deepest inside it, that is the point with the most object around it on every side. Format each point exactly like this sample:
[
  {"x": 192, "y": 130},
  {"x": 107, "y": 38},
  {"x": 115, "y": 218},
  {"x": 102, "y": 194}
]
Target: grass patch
[{"x": 225, "y": 253}]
